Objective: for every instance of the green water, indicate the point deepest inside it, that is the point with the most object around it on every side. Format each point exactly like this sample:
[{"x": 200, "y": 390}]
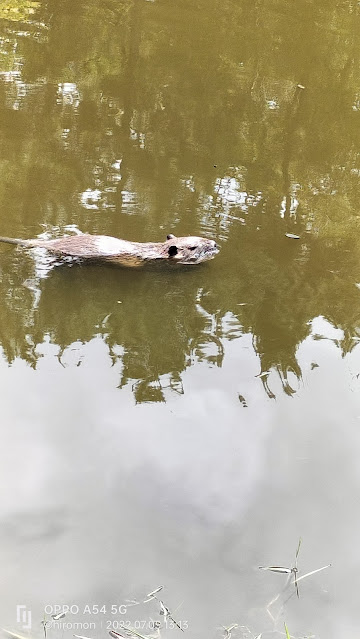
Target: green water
[{"x": 182, "y": 426}]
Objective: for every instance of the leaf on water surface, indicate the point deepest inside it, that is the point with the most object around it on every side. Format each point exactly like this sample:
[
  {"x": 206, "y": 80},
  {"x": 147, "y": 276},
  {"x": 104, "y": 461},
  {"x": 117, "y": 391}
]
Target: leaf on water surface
[
  {"x": 280, "y": 569},
  {"x": 228, "y": 630},
  {"x": 163, "y": 609},
  {"x": 242, "y": 400},
  {"x": 132, "y": 632},
  {"x": 153, "y": 592},
  {"x": 287, "y": 632},
  {"x": 128, "y": 632},
  {"x": 13, "y": 634},
  {"x": 313, "y": 572}
]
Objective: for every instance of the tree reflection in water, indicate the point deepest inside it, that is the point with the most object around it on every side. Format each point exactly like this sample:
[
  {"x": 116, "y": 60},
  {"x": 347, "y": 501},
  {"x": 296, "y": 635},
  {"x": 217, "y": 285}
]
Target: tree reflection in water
[{"x": 144, "y": 125}]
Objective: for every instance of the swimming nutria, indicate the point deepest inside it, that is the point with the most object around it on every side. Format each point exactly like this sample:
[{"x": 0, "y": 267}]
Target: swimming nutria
[{"x": 179, "y": 250}]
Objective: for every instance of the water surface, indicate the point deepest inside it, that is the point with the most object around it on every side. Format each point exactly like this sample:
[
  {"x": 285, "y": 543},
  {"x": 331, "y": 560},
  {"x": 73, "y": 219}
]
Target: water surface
[{"x": 181, "y": 426}]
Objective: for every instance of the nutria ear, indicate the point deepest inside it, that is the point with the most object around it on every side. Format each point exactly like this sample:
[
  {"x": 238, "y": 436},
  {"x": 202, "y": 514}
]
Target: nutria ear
[
  {"x": 170, "y": 236},
  {"x": 172, "y": 251}
]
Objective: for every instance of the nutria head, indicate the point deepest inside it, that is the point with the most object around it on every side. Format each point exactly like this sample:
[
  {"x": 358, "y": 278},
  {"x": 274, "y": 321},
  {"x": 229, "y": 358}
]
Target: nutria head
[{"x": 190, "y": 250}]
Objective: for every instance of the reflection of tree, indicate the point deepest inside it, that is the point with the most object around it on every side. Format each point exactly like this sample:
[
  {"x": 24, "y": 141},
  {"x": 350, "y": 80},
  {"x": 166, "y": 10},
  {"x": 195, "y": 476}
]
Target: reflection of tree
[
  {"x": 282, "y": 288},
  {"x": 149, "y": 119},
  {"x": 150, "y": 313},
  {"x": 18, "y": 10}
]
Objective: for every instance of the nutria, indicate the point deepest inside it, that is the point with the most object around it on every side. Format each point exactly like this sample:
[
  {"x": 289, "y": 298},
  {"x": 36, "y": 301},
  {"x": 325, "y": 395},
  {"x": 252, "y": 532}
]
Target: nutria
[{"x": 177, "y": 250}]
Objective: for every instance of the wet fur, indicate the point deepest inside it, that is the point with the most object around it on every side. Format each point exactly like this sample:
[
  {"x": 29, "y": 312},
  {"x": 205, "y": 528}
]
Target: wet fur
[{"x": 179, "y": 250}]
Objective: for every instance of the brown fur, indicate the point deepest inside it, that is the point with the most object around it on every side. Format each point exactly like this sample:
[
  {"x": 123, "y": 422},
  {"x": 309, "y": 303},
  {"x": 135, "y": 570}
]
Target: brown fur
[{"x": 180, "y": 250}]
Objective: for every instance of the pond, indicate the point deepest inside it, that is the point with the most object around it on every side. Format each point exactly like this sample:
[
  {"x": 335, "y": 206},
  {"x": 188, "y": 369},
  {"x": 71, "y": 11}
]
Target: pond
[{"x": 180, "y": 427}]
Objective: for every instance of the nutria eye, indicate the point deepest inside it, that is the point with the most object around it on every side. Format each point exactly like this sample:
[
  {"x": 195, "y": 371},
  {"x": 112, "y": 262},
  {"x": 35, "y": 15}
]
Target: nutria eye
[
  {"x": 192, "y": 248},
  {"x": 172, "y": 251}
]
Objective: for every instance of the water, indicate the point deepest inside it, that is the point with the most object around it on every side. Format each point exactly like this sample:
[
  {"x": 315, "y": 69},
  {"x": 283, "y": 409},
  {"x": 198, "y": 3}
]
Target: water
[{"x": 181, "y": 427}]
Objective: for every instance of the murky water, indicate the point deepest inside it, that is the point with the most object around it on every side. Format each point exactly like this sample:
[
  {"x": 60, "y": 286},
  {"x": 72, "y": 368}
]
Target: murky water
[{"x": 181, "y": 427}]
